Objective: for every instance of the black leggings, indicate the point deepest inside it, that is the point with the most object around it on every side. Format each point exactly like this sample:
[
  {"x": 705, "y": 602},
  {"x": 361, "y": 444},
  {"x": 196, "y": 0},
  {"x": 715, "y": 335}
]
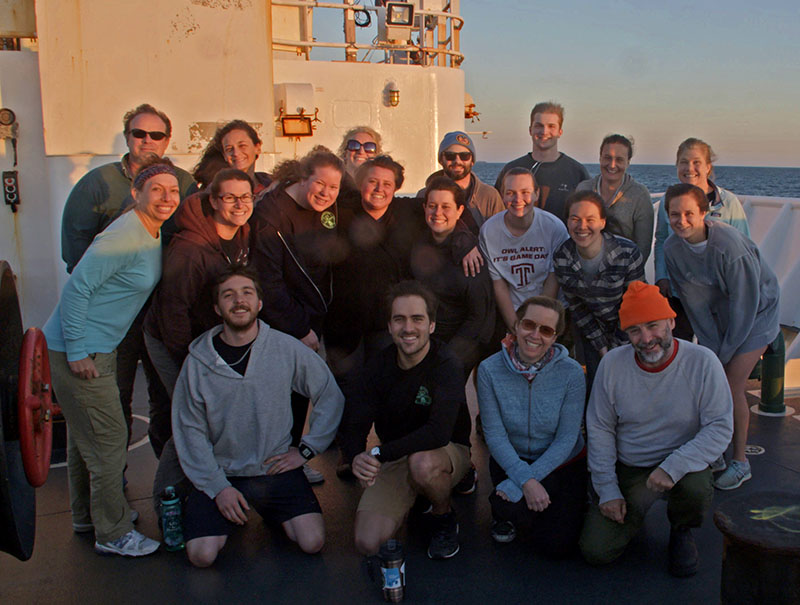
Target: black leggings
[{"x": 555, "y": 530}]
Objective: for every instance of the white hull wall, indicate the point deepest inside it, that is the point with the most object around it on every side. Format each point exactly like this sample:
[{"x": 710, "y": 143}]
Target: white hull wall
[{"x": 352, "y": 94}]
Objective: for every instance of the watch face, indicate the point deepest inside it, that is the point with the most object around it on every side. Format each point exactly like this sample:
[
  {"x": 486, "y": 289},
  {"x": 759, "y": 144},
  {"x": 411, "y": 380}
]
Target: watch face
[
  {"x": 306, "y": 452},
  {"x": 7, "y": 117}
]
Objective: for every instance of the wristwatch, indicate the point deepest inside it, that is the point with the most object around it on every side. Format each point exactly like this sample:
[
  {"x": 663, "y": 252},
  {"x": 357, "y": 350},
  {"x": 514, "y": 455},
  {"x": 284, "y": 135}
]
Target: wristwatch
[
  {"x": 305, "y": 451},
  {"x": 376, "y": 452}
]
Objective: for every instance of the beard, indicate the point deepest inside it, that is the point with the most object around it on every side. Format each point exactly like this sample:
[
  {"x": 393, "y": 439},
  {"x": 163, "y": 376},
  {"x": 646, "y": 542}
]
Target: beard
[
  {"x": 239, "y": 323},
  {"x": 457, "y": 172},
  {"x": 658, "y": 354}
]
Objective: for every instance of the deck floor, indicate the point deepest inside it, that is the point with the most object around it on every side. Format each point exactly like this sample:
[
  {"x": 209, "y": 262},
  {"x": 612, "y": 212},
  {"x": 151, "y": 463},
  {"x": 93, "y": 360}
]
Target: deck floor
[{"x": 260, "y": 565}]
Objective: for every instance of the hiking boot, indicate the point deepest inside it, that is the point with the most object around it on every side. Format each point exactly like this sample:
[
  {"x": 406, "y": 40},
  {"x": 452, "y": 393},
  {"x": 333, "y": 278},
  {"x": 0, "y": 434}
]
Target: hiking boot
[
  {"x": 733, "y": 476},
  {"x": 682, "y": 552},
  {"x": 444, "y": 542},
  {"x": 132, "y": 544},
  {"x": 503, "y": 531},
  {"x": 468, "y": 482},
  {"x": 314, "y": 477},
  {"x": 85, "y": 528},
  {"x": 719, "y": 465}
]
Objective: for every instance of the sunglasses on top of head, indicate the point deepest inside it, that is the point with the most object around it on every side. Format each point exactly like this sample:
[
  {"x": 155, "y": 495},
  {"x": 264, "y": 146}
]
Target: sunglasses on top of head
[
  {"x": 529, "y": 326},
  {"x": 465, "y": 156},
  {"x": 138, "y": 133},
  {"x": 368, "y": 147}
]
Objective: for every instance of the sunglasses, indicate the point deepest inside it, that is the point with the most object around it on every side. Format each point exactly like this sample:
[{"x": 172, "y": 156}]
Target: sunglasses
[
  {"x": 450, "y": 156},
  {"x": 529, "y": 326},
  {"x": 353, "y": 145},
  {"x": 138, "y": 133}
]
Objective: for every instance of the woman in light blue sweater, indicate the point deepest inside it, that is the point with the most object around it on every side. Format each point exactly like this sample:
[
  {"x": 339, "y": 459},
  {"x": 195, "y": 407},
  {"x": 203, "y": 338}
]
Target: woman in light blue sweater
[
  {"x": 531, "y": 398},
  {"x": 97, "y": 307},
  {"x": 731, "y": 296}
]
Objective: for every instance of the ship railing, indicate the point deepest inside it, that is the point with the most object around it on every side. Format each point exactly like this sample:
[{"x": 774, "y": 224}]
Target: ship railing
[{"x": 437, "y": 34}]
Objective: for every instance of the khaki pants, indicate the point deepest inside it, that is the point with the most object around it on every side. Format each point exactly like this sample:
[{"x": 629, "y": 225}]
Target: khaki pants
[{"x": 97, "y": 439}]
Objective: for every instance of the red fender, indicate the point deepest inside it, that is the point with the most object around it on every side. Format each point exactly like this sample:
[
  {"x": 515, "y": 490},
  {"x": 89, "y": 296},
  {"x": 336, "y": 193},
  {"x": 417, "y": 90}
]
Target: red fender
[{"x": 35, "y": 405}]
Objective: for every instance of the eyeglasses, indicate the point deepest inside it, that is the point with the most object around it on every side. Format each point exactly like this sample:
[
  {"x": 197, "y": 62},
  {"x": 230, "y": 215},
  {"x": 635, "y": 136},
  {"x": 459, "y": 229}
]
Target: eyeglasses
[
  {"x": 229, "y": 198},
  {"x": 529, "y": 326},
  {"x": 450, "y": 156},
  {"x": 138, "y": 133},
  {"x": 369, "y": 147}
]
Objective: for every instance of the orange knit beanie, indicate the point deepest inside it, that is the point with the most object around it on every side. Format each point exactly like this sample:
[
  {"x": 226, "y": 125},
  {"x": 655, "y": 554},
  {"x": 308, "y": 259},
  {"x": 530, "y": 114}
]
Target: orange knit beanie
[{"x": 642, "y": 303}]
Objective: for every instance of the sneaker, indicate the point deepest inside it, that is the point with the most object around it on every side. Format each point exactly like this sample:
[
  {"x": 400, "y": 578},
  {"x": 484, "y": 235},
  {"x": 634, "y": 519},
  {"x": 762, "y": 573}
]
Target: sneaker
[
  {"x": 314, "y": 477},
  {"x": 719, "y": 464},
  {"x": 85, "y": 528},
  {"x": 468, "y": 482},
  {"x": 683, "y": 558},
  {"x": 503, "y": 531},
  {"x": 132, "y": 544},
  {"x": 733, "y": 476},
  {"x": 444, "y": 542}
]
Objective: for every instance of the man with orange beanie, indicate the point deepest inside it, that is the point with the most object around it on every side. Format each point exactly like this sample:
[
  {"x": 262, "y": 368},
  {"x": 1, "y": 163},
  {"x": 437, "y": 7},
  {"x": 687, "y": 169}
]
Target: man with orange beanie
[{"x": 660, "y": 413}]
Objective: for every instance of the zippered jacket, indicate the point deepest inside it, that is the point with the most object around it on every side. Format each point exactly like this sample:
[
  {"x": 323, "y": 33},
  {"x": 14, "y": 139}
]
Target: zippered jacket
[
  {"x": 539, "y": 420},
  {"x": 292, "y": 248}
]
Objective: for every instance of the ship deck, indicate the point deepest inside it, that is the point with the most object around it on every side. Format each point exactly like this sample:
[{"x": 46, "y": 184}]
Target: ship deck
[{"x": 260, "y": 565}]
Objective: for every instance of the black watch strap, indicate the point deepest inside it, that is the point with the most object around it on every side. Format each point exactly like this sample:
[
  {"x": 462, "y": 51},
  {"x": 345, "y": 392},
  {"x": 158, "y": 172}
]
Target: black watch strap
[{"x": 305, "y": 451}]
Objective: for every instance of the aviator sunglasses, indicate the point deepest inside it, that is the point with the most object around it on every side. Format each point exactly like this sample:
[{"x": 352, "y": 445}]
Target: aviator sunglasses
[
  {"x": 464, "y": 156},
  {"x": 138, "y": 133},
  {"x": 369, "y": 147},
  {"x": 529, "y": 326}
]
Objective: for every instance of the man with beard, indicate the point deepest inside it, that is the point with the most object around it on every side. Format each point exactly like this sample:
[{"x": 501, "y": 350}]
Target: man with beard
[
  {"x": 414, "y": 393},
  {"x": 556, "y": 172},
  {"x": 232, "y": 421},
  {"x": 660, "y": 413},
  {"x": 457, "y": 157}
]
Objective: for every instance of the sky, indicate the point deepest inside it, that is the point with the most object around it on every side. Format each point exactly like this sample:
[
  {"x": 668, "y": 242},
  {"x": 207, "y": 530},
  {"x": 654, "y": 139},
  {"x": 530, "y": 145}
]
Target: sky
[{"x": 725, "y": 71}]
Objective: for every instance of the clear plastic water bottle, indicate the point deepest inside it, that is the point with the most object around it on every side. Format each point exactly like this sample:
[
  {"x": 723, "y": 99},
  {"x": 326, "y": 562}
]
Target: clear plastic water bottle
[{"x": 171, "y": 520}]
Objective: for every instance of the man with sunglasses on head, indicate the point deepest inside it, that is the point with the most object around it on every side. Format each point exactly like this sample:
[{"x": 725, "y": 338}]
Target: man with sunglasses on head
[
  {"x": 95, "y": 201},
  {"x": 556, "y": 173},
  {"x": 457, "y": 157}
]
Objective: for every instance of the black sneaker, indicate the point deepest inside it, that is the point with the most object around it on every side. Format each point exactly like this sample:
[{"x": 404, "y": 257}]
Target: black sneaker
[
  {"x": 503, "y": 531},
  {"x": 683, "y": 559},
  {"x": 468, "y": 482},
  {"x": 444, "y": 542}
]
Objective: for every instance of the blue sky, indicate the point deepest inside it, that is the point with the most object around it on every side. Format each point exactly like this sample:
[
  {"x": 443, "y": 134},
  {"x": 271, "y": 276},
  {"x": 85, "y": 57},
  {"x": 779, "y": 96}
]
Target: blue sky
[{"x": 724, "y": 71}]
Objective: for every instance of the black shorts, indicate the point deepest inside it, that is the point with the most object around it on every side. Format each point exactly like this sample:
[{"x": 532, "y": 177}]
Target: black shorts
[{"x": 277, "y": 498}]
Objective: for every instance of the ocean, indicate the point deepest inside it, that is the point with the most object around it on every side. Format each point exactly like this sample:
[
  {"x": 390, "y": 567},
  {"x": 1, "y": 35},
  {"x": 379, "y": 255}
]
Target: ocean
[{"x": 742, "y": 180}]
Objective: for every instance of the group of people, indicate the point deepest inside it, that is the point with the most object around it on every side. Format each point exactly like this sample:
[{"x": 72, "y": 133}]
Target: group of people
[{"x": 249, "y": 296}]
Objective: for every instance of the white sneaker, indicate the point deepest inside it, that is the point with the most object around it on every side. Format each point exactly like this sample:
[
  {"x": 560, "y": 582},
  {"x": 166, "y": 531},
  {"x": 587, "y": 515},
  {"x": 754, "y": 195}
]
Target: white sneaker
[
  {"x": 132, "y": 544},
  {"x": 314, "y": 477}
]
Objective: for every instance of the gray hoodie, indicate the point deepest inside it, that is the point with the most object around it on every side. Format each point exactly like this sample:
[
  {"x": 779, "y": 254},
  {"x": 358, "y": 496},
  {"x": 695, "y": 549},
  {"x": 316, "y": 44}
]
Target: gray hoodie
[{"x": 226, "y": 424}]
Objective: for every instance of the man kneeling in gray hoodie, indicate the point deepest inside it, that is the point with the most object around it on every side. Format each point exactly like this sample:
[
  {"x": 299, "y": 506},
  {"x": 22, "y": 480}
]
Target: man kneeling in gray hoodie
[{"x": 232, "y": 417}]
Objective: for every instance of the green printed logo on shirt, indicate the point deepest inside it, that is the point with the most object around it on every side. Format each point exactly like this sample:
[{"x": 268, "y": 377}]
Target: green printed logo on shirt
[
  {"x": 423, "y": 396},
  {"x": 328, "y": 219}
]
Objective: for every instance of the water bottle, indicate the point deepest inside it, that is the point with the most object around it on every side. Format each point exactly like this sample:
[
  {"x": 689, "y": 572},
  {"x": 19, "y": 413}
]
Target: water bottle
[
  {"x": 393, "y": 568},
  {"x": 171, "y": 522}
]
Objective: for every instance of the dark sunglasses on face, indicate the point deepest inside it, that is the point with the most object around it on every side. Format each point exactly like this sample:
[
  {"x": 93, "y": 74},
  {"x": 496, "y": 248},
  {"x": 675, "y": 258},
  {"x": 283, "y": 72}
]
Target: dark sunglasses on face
[
  {"x": 369, "y": 147},
  {"x": 138, "y": 133},
  {"x": 529, "y": 326},
  {"x": 465, "y": 156}
]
